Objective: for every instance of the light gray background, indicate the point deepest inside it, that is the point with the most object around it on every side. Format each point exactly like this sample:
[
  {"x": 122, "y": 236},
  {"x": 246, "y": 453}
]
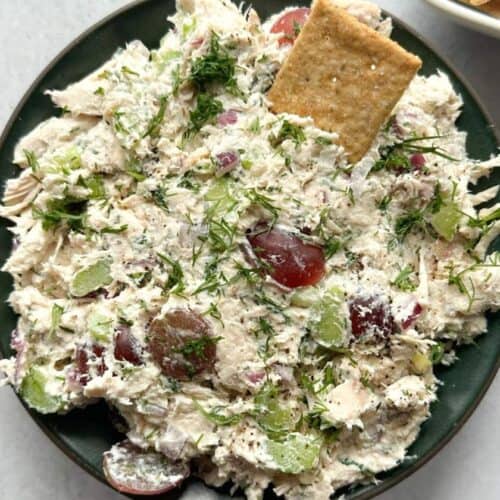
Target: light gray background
[{"x": 32, "y": 32}]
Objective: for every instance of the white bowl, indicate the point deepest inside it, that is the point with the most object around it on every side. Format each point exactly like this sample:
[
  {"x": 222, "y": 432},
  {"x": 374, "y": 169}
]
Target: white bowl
[{"x": 469, "y": 16}]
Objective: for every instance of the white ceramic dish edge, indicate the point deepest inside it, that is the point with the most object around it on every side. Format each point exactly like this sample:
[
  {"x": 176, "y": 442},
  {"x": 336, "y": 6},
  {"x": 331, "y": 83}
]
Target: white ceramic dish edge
[{"x": 469, "y": 17}]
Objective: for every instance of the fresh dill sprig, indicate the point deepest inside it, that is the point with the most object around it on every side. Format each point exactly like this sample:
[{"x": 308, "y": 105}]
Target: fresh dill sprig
[
  {"x": 397, "y": 156},
  {"x": 404, "y": 280},
  {"x": 175, "y": 282},
  {"x": 457, "y": 278},
  {"x": 114, "y": 230},
  {"x": 331, "y": 246},
  {"x": 32, "y": 160},
  {"x": 69, "y": 210},
  {"x": 197, "y": 347},
  {"x": 287, "y": 131},
  {"x": 95, "y": 185},
  {"x": 154, "y": 125},
  {"x": 252, "y": 275},
  {"x": 160, "y": 198},
  {"x": 215, "y": 416},
  {"x": 263, "y": 201},
  {"x": 214, "y": 312},
  {"x": 221, "y": 236},
  {"x": 362, "y": 468},
  {"x": 205, "y": 111},
  {"x": 134, "y": 169},
  {"x": 213, "y": 283},
  {"x": 408, "y": 221},
  {"x": 216, "y": 66},
  {"x": 384, "y": 203}
]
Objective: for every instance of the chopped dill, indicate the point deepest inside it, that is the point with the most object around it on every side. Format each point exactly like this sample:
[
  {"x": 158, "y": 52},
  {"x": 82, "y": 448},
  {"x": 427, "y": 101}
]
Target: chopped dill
[
  {"x": 216, "y": 66},
  {"x": 160, "y": 198},
  {"x": 255, "y": 127},
  {"x": 68, "y": 210},
  {"x": 287, "y": 131},
  {"x": 154, "y": 126},
  {"x": 263, "y": 201},
  {"x": 406, "y": 222},
  {"x": 197, "y": 347},
  {"x": 32, "y": 160},
  {"x": 175, "y": 283},
  {"x": 134, "y": 169},
  {"x": 384, "y": 203},
  {"x": 214, "y": 312},
  {"x": 404, "y": 280},
  {"x": 114, "y": 230},
  {"x": 397, "y": 156},
  {"x": 206, "y": 109},
  {"x": 331, "y": 246},
  {"x": 215, "y": 416}
]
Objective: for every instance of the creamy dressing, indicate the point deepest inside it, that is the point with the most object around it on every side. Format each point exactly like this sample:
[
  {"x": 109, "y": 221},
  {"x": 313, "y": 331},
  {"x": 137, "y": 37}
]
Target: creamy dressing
[{"x": 124, "y": 213}]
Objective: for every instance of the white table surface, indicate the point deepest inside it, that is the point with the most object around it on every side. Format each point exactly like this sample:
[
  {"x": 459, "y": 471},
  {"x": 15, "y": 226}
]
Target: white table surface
[{"x": 32, "y": 32}]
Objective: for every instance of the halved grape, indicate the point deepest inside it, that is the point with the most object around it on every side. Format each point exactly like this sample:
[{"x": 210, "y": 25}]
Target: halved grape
[
  {"x": 33, "y": 391},
  {"x": 290, "y": 24},
  {"x": 89, "y": 362},
  {"x": 291, "y": 262},
  {"x": 182, "y": 344},
  {"x": 91, "y": 278},
  {"x": 446, "y": 219},
  {"x": 296, "y": 453},
  {"x": 370, "y": 315},
  {"x": 134, "y": 471},
  {"x": 126, "y": 346},
  {"x": 330, "y": 329}
]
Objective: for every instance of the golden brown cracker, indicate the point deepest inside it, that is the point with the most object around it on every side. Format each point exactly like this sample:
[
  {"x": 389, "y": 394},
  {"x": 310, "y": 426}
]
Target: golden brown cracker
[{"x": 343, "y": 74}]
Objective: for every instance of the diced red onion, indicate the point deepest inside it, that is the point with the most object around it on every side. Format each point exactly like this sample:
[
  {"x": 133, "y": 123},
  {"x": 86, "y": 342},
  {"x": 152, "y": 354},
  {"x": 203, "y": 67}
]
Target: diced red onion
[
  {"x": 417, "y": 161},
  {"x": 396, "y": 128},
  {"x": 197, "y": 42},
  {"x": 417, "y": 310},
  {"x": 229, "y": 117},
  {"x": 226, "y": 162},
  {"x": 255, "y": 377},
  {"x": 285, "y": 373}
]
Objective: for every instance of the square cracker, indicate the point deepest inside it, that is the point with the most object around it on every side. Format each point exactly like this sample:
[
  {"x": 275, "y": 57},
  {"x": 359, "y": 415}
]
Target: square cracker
[{"x": 343, "y": 74}]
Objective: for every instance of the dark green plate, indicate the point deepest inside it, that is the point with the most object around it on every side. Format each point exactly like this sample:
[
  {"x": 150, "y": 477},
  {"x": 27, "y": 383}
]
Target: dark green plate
[{"x": 85, "y": 434}]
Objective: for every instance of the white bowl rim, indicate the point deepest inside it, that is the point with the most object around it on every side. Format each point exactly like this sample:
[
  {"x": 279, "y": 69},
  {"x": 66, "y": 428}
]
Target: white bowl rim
[{"x": 474, "y": 18}]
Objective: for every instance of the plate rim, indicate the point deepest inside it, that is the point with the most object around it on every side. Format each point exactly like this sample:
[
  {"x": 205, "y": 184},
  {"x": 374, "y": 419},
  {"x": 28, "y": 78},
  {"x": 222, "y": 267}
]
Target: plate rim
[
  {"x": 459, "y": 424},
  {"x": 467, "y": 14}
]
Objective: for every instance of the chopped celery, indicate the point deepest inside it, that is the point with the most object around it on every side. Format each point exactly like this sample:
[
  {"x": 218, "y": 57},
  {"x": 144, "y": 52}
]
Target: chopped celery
[
  {"x": 421, "y": 363},
  {"x": 161, "y": 59},
  {"x": 220, "y": 196},
  {"x": 305, "y": 297},
  {"x": 33, "y": 391},
  {"x": 274, "y": 415},
  {"x": 91, "y": 278},
  {"x": 437, "y": 353},
  {"x": 329, "y": 327},
  {"x": 188, "y": 27},
  {"x": 55, "y": 318},
  {"x": 64, "y": 164},
  {"x": 99, "y": 327},
  {"x": 446, "y": 219},
  {"x": 296, "y": 453}
]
